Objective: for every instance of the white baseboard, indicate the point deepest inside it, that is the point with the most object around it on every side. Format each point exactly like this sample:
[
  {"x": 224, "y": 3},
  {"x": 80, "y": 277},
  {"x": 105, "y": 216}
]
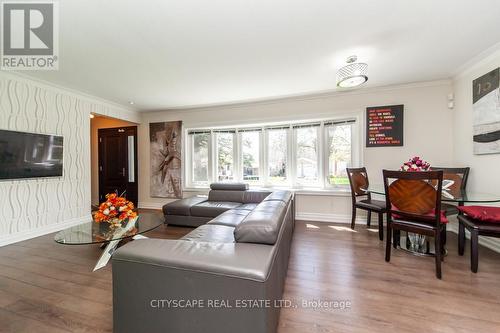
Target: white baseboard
[
  {"x": 151, "y": 205},
  {"x": 331, "y": 218},
  {"x": 28, "y": 234},
  {"x": 489, "y": 242}
]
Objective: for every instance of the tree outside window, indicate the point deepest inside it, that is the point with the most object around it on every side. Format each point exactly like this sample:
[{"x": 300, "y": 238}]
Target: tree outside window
[
  {"x": 340, "y": 154},
  {"x": 225, "y": 161}
]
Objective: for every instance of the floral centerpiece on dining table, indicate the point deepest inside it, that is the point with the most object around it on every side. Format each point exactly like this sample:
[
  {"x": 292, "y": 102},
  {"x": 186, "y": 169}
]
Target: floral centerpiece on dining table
[
  {"x": 416, "y": 241},
  {"x": 115, "y": 210},
  {"x": 415, "y": 164}
]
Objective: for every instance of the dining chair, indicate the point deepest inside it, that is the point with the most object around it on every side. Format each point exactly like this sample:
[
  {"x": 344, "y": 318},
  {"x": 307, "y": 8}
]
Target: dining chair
[
  {"x": 459, "y": 177},
  {"x": 414, "y": 205},
  {"x": 476, "y": 228},
  {"x": 361, "y": 199}
]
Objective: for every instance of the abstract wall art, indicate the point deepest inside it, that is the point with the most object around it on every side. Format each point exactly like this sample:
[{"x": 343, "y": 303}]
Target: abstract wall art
[
  {"x": 166, "y": 159},
  {"x": 486, "y": 113}
]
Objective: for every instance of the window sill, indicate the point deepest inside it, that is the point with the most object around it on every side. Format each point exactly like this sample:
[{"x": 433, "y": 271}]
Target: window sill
[
  {"x": 338, "y": 192},
  {"x": 323, "y": 192}
]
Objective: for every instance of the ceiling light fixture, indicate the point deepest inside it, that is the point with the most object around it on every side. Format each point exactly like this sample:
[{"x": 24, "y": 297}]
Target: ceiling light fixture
[
  {"x": 353, "y": 74},
  {"x": 131, "y": 102}
]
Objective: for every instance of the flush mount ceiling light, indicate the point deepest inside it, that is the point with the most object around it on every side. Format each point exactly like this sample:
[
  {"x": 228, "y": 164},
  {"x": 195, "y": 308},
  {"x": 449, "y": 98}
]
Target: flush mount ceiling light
[{"x": 353, "y": 74}]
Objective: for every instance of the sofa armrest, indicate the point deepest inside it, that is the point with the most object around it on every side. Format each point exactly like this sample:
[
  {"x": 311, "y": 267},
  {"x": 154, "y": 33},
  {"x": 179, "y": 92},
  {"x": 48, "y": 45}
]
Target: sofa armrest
[
  {"x": 149, "y": 274},
  {"x": 182, "y": 206}
]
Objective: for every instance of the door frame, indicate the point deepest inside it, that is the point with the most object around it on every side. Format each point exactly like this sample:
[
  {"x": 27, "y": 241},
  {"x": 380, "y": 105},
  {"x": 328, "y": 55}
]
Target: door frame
[{"x": 128, "y": 130}]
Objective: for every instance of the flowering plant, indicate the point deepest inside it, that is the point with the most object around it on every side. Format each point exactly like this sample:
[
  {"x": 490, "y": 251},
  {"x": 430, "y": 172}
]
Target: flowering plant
[
  {"x": 415, "y": 164},
  {"x": 115, "y": 209}
]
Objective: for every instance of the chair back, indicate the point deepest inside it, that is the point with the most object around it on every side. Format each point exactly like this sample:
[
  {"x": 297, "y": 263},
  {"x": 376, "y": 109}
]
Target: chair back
[
  {"x": 413, "y": 195},
  {"x": 358, "y": 179},
  {"x": 459, "y": 177}
]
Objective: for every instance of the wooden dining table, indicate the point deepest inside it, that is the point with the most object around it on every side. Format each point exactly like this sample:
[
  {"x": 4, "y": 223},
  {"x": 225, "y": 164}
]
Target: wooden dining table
[{"x": 418, "y": 244}]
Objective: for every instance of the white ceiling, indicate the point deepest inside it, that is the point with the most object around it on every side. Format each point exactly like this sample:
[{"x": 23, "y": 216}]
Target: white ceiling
[{"x": 176, "y": 53}]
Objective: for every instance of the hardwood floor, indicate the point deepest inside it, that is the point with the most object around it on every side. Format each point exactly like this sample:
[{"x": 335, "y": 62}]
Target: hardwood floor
[{"x": 48, "y": 287}]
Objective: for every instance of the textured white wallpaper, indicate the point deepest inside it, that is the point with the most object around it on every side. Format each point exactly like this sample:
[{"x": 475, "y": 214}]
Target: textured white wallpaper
[{"x": 35, "y": 206}]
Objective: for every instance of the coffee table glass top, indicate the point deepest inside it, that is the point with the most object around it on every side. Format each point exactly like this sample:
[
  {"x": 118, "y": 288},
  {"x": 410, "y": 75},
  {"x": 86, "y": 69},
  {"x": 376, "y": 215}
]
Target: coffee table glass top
[
  {"x": 94, "y": 233},
  {"x": 451, "y": 196}
]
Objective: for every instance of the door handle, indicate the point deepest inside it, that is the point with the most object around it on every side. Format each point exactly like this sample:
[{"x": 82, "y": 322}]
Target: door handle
[{"x": 123, "y": 172}]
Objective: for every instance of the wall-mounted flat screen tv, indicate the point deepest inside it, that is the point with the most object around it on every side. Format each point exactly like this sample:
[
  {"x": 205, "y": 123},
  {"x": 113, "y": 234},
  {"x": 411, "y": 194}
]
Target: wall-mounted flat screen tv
[{"x": 29, "y": 155}]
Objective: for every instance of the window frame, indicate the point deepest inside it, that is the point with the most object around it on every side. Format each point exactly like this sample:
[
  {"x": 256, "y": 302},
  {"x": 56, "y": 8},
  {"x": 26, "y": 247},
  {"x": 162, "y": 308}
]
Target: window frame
[
  {"x": 215, "y": 160},
  {"x": 355, "y": 151},
  {"x": 265, "y": 152},
  {"x": 189, "y": 153},
  {"x": 240, "y": 133},
  {"x": 319, "y": 164},
  {"x": 322, "y": 154}
]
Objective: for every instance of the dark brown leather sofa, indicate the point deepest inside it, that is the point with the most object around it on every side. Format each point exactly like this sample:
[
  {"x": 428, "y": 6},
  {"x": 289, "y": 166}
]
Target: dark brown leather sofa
[{"x": 225, "y": 276}]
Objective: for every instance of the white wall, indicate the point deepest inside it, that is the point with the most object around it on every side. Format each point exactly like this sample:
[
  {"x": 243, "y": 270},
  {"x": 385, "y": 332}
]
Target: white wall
[
  {"x": 32, "y": 207},
  {"x": 484, "y": 175},
  {"x": 428, "y": 133}
]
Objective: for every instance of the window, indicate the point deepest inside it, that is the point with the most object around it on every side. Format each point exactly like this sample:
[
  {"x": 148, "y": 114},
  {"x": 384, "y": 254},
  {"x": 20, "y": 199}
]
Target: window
[
  {"x": 200, "y": 148},
  {"x": 225, "y": 155},
  {"x": 304, "y": 155},
  {"x": 277, "y": 153},
  {"x": 250, "y": 155},
  {"x": 306, "y": 161},
  {"x": 339, "y": 141}
]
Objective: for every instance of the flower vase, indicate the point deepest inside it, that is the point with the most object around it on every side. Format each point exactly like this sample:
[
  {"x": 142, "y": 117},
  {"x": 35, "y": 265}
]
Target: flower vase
[
  {"x": 417, "y": 242},
  {"x": 116, "y": 223}
]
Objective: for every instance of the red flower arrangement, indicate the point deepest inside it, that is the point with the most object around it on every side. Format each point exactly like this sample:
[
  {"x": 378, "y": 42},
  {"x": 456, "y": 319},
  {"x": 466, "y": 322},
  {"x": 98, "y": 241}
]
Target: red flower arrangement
[
  {"x": 415, "y": 164},
  {"x": 115, "y": 209}
]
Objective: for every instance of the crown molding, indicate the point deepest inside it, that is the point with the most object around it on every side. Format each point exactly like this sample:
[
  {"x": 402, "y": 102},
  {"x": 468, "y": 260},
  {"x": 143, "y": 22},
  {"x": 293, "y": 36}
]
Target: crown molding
[
  {"x": 303, "y": 97},
  {"x": 481, "y": 59},
  {"x": 73, "y": 92}
]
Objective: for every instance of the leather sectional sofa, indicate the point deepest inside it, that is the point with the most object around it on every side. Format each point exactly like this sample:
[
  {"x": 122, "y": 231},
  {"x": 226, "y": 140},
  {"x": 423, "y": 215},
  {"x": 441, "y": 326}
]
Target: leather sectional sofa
[
  {"x": 222, "y": 197},
  {"x": 225, "y": 276}
]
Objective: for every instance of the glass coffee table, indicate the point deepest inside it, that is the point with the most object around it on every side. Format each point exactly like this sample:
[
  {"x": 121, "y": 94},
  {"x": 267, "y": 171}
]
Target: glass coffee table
[{"x": 102, "y": 233}]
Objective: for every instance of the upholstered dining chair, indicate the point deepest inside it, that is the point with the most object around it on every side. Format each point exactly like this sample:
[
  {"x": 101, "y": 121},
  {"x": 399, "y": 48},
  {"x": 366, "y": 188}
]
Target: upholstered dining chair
[
  {"x": 361, "y": 199},
  {"x": 414, "y": 205},
  {"x": 480, "y": 221},
  {"x": 459, "y": 177}
]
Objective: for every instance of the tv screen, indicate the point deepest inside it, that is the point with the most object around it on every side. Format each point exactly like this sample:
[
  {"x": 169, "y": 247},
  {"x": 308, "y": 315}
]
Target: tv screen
[{"x": 28, "y": 155}]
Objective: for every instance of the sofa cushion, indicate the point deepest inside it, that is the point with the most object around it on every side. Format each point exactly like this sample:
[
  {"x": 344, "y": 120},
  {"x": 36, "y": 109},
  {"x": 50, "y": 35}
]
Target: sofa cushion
[
  {"x": 212, "y": 208},
  {"x": 262, "y": 225},
  {"x": 183, "y": 206},
  {"x": 284, "y": 196},
  {"x": 231, "y": 218},
  {"x": 229, "y": 186},
  {"x": 226, "y": 195},
  {"x": 211, "y": 233},
  {"x": 247, "y": 206}
]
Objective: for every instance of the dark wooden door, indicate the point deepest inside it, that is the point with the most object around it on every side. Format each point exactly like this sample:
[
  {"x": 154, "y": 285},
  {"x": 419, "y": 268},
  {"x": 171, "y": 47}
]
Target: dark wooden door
[{"x": 118, "y": 162}]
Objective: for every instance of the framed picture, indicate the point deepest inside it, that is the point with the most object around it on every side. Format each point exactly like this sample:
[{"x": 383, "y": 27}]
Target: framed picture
[
  {"x": 384, "y": 126},
  {"x": 486, "y": 113},
  {"x": 166, "y": 159}
]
